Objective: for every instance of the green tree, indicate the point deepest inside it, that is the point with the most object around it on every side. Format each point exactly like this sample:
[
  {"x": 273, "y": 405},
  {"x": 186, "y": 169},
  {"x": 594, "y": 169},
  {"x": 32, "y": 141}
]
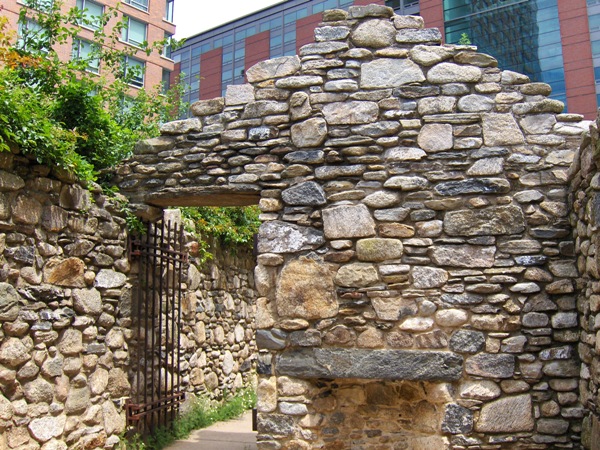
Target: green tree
[{"x": 63, "y": 113}]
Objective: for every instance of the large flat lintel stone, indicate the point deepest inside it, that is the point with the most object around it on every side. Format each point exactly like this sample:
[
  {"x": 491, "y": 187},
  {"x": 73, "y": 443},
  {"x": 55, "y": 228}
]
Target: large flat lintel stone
[
  {"x": 332, "y": 363},
  {"x": 205, "y": 196}
]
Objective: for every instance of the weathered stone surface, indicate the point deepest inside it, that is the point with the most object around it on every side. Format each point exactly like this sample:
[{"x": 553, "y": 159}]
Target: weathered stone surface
[
  {"x": 87, "y": 301},
  {"x": 348, "y": 221},
  {"x": 436, "y": 137},
  {"x": 388, "y": 72},
  {"x": 374, "y": 33},
  {"x": 428, "y": 277},
  {"x": 378, "y": 249},
  {"x": 457, "y": 419},
  {"x": 349, "y": 113},
  {"x": 310, "y": 133},
  {"x": 107, "y": 279},
  {"x": 466, "y": 341},
  {"x": 357, "y": 275},
  {"x": 384, "y": 364},
  {"x": 491, "y": 365},
  {"x": 428, "y": 55},
  {"x": 305, "y": 290},
  {"x": 506, "y": 415},
  {"x": 463, "y": 256},
  {"x": 273, "y": 68},
  {"x": 239, "y": 94},
  {"x": 307, "y": 193},
  {"x": 406, "y": 183},
  {"x": 453, "y": 73},
  {"x": 496, "y": 220},
  {"x": 9, "y": 302},
  {"x": 391, "y": 308},
  {"x": 501, "y": 129},
  {"x": 281, "y": 237},
  {"x": 208, "y": 107},
  {"x": 410, "y": 36},
  {"x": 45, "y": 428},
  {"x": 10, "y": 181},
  {"x": 474, "y": 186},
  {"x": 330, "y": 33},
  {"x": 399, "y": 154},
  {"x": 68, "y": 272},
  {"x": 480, "y": 390}
]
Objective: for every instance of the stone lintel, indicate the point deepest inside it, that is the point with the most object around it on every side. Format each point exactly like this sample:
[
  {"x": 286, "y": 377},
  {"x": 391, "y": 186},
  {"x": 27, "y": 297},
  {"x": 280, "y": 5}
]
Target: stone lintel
[
  {"x": 456, "y": 118},
  {"x": 332, "y": 363},
  {"x": 205, "y": 196}
]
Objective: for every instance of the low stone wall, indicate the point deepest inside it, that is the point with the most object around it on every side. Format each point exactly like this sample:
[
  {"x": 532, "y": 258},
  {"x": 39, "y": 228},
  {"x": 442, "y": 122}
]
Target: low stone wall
[
  {"x": 585, "y": 219},
  {"x": 66, "y": 335},
  {"x": 218, "y": 323},
  {"x": 64, "y": 312}
]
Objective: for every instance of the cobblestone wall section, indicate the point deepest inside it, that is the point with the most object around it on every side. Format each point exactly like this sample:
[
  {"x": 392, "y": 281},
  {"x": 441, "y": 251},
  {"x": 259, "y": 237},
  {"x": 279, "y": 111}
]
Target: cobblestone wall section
[
  {"x": 64, "y": 312},
  {"x": 585, "y": 198},
  {"x": 416, "y": 251},
  {"x": 218, "y": 323}
]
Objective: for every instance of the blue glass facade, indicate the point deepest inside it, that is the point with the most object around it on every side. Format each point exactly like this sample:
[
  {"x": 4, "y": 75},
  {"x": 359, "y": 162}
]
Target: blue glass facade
[
  {"x": 594, "y": 23},
  {"x": 280, "y": 20},
  {"x": 524, "y": 35}
]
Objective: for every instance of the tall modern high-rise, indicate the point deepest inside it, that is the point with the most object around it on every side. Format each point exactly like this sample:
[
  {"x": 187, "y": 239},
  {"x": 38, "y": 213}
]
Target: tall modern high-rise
[
  {"x": 147, "y": 20},
  {"x": 554, "y": 41}
]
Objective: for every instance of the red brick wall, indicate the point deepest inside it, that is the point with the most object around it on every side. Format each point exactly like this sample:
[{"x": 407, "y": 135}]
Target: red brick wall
[
  {"x": 210, "y": 72},
  {"x": 257, "y": 48},
  {"x": 577, "y": 56},
  {"x": 432, "y": 12}
]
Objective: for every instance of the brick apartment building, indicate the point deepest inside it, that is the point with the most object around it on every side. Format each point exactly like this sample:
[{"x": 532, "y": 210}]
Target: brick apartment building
[
  {"x": 148, "y": 20},
  {"x": 554, "y": 41}
]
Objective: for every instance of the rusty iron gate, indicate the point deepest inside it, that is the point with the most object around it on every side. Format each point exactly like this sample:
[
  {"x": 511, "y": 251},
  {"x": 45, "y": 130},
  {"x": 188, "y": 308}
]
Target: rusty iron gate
[{"x": 156, "y": 355}]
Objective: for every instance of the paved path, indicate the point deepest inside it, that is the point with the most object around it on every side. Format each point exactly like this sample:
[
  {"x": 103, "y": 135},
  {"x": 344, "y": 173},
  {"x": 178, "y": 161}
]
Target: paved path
[{"x": 234, "y": 434}]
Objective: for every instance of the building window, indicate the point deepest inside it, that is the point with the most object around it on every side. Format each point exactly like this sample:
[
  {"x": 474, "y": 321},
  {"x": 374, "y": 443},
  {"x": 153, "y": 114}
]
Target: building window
[
  {"x": 32, "y": 37},
  {"x": 166, "y": 80},
  {"x": 169, "y": 10},
  {"x": 86, "y": 52},
  {"x": 133, "y": 71},
  {"x": 40, "y": 5},
  {"x": 139, "y": 4},
  {"x": 134, "y": 32},
  {"x": 92, "y": 14},
  {"x": 167, "y": 50}
]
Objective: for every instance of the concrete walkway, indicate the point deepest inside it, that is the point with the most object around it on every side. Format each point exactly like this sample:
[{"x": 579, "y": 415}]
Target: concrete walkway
[{"x": 234, "y": 434}]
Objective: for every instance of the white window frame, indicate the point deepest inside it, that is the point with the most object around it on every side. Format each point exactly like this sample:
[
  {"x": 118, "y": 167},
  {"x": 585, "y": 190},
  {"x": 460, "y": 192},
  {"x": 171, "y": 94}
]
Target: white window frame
[
  {"x": 142, "y": 5},
  {"x": 82, "y": 5},
  {"x": 126, "y": 34},
  {"x": 93, "y": 64}
]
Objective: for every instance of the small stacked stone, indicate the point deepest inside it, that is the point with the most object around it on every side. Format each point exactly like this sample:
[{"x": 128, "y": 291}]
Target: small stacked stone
[
  {"x": 64, "y": 311},
  {"x": 584, "y": 196},
  {"x": 416, "y": 230}
]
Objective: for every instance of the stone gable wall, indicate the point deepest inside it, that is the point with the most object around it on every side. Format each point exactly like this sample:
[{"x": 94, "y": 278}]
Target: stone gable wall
[
  {"x": 416, "y": 252},
  {"x": 66, "y": 330},
  {"x": 584, "y": 198}
]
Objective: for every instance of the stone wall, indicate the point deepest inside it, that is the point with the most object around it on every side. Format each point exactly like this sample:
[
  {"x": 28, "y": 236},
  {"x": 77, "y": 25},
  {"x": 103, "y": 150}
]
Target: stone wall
[
  {"x": 416, "y": 251},
  {"x": 66, "y": 328},
  {"x": 64, "y": 306},
  {"x": 218, "y": 323},
  {"x": 585, "y": 198}
]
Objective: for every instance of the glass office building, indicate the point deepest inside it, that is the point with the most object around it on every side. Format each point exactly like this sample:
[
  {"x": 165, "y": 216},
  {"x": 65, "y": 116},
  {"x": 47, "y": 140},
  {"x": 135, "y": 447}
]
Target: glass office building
[
  {"x": 594, "y": 24},
  {"x": 523, "y": 36}
]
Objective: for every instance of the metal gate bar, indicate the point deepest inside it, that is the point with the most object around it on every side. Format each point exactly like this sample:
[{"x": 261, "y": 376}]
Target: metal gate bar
[{"x": 157, "y": 360}]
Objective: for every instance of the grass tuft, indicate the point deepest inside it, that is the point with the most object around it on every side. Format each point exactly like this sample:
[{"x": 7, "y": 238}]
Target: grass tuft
[{"x": 202, "y": 414}]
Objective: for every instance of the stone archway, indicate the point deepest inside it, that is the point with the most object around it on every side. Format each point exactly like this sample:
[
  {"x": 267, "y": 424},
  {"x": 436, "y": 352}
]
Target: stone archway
[{"x": 415, "y": 253}]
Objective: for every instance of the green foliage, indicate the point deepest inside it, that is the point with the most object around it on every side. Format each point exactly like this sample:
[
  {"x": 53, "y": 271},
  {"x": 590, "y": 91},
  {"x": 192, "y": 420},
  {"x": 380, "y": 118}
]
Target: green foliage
[
  {"x": 464, "y": 39},
  {"x": 202, "y": 414},
  {"x": 60, "y": 112},
  {"x": 232, "y": 226}
]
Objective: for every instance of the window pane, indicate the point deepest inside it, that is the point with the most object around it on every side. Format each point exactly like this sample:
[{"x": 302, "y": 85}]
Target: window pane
[
  {"x": 134, "y": 71},
  {"x": 169, "y": 10},
  {"x": 135, "y": 33},
  {"x": 40, "y": 5},
  {"x": 92, "y": 14},
  {"x": 141, "y": 4}
]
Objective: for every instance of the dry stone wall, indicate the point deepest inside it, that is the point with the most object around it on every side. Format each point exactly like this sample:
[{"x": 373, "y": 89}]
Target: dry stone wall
[
  {"x": 67, "y": 288},
  {"x": 416, "y": 253},
  {"x": 584, "y": 196},
  {"x": 64, "y": 311},
  {"x": 219, "y": 348}
]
